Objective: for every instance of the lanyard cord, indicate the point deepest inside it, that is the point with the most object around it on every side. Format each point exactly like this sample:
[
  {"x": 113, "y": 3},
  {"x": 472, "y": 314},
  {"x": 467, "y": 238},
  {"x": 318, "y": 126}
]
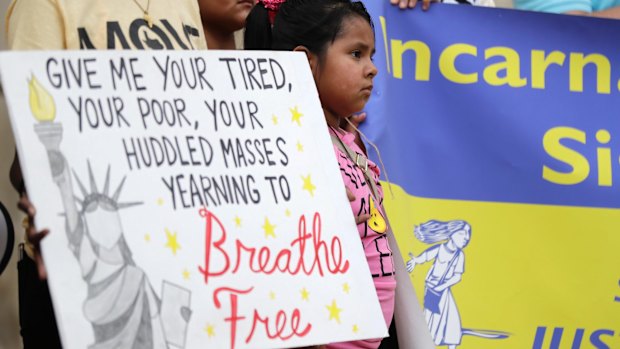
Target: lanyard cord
[
  {"x": 360, "y": 161},
  {"x": 374, "y": 146}
]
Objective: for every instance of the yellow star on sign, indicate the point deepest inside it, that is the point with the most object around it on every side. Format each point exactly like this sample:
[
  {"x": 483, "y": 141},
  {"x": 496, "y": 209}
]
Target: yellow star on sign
[
  {"x": 334, "y": 311},
  {"x": 237, "y": 222},
  {"x": 296, "y": 115},
  {"x": 172, "y": 242},
  {"x": 274, "y": 119},
  {"x": 272, "y": 295},
  {"x": 308, "y": 185},
  {"x": 346, "y": 288},
  {"x": 185, "y": 274},
  {"x": 287, "y": 212},
  {"x": 269, "y": 228},
  {"x": 305, "y": 295},
  {"x": 160, "y": 201},
  {"x": 210, "y": 329},
  {"x": 147, "y": 237},
  {"x": 355, "y": 329},
  {"x": 300, "y": 147}
]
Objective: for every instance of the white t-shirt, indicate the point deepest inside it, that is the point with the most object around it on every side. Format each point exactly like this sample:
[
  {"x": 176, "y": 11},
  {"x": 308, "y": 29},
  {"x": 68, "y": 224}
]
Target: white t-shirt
[{"x": 104, "y": 24}]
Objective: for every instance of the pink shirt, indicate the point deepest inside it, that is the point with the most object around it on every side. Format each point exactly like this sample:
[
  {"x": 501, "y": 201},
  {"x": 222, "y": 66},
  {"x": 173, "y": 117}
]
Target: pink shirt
[
  {"x": 376, "y": 247},
  {"x": 373, "y": 235}
]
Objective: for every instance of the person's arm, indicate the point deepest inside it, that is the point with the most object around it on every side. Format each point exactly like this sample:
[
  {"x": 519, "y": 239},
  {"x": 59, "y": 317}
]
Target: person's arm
[
  {"x": 428, "y": 255},
  {"x": 403, "y": 4},
  {"x": 611, "y": 13},
  {"x": 571, "y": 7}
]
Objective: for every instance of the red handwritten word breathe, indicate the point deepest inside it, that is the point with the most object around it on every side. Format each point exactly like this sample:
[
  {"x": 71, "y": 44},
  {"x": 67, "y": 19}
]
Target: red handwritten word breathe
[{"x": 308, "y": 252}]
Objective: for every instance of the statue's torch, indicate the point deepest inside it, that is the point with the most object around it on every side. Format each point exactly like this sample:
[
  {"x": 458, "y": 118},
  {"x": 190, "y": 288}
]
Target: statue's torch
[{"x": 43, "y": 109}]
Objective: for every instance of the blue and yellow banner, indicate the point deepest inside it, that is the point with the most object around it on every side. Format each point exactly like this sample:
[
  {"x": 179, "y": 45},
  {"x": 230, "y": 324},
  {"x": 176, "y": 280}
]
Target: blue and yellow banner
[{"x": 500, "y": 132}]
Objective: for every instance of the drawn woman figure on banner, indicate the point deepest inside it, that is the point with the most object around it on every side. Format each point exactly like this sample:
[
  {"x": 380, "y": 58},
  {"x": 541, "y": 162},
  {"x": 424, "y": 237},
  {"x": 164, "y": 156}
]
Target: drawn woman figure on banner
[{"x": 440, "y": 310}]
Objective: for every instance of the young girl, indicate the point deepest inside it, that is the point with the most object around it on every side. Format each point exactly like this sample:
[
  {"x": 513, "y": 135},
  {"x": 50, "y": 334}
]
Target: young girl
[
  {"x": 338, "y": 39},
  {"x": 440, "y": 310}
]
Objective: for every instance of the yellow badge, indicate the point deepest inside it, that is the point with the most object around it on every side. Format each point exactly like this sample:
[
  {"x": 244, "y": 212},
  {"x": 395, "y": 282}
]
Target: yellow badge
[{"x": 376, "y": 221}]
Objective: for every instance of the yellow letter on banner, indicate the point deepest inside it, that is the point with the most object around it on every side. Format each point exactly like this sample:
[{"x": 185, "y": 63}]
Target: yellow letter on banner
[
  {"x": 553, "y": 147},
  {"x": 448, "y": 58},
  {"x": 603, "y": 158},
  {"x": 422, "y": 58},
  {"x": 540, "y": 63},
  {"x": 511, "y": 64},
  {"x": 603, "y": 71}
]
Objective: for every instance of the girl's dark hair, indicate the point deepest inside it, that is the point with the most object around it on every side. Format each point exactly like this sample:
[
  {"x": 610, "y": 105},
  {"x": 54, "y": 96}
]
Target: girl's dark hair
[{"x": 310, "y": 23}]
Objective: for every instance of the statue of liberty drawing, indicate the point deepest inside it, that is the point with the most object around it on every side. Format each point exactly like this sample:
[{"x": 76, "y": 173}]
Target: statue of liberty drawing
[
  {"x": 442, "y": 316},
  {"x": 121, "y": 305}
]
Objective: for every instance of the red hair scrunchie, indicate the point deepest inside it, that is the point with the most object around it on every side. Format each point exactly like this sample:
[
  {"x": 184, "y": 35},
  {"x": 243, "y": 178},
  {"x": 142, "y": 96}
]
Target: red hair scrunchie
[{"x": 273, "y": 6}]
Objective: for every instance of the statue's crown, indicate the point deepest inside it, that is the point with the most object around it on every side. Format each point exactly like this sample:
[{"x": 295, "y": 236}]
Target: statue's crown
[{"x": 94, "y": 199}]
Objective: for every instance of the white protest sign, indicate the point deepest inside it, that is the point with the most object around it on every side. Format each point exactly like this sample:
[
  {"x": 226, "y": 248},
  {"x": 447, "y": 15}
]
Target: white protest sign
[{"x": 193, "y": 198}]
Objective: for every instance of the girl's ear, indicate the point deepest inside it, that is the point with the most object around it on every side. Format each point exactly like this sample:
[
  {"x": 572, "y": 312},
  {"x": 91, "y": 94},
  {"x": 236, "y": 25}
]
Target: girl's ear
[{"x": 312, "y": 58}]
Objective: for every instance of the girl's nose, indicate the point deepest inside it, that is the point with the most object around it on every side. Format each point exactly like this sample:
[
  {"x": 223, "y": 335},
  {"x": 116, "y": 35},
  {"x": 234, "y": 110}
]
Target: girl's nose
[{"x": 372, "y": 71}]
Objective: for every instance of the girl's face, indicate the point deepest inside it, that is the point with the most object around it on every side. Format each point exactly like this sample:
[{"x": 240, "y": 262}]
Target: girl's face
[
  {"x": 344, "y": 74},
  {"x": 225, "y": 15},
  {"x": 461, "y": 238}
]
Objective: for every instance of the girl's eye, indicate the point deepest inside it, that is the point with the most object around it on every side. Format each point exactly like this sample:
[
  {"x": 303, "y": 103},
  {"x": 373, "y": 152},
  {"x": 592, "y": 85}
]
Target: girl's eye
[{"x": 356, "y": 54}]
